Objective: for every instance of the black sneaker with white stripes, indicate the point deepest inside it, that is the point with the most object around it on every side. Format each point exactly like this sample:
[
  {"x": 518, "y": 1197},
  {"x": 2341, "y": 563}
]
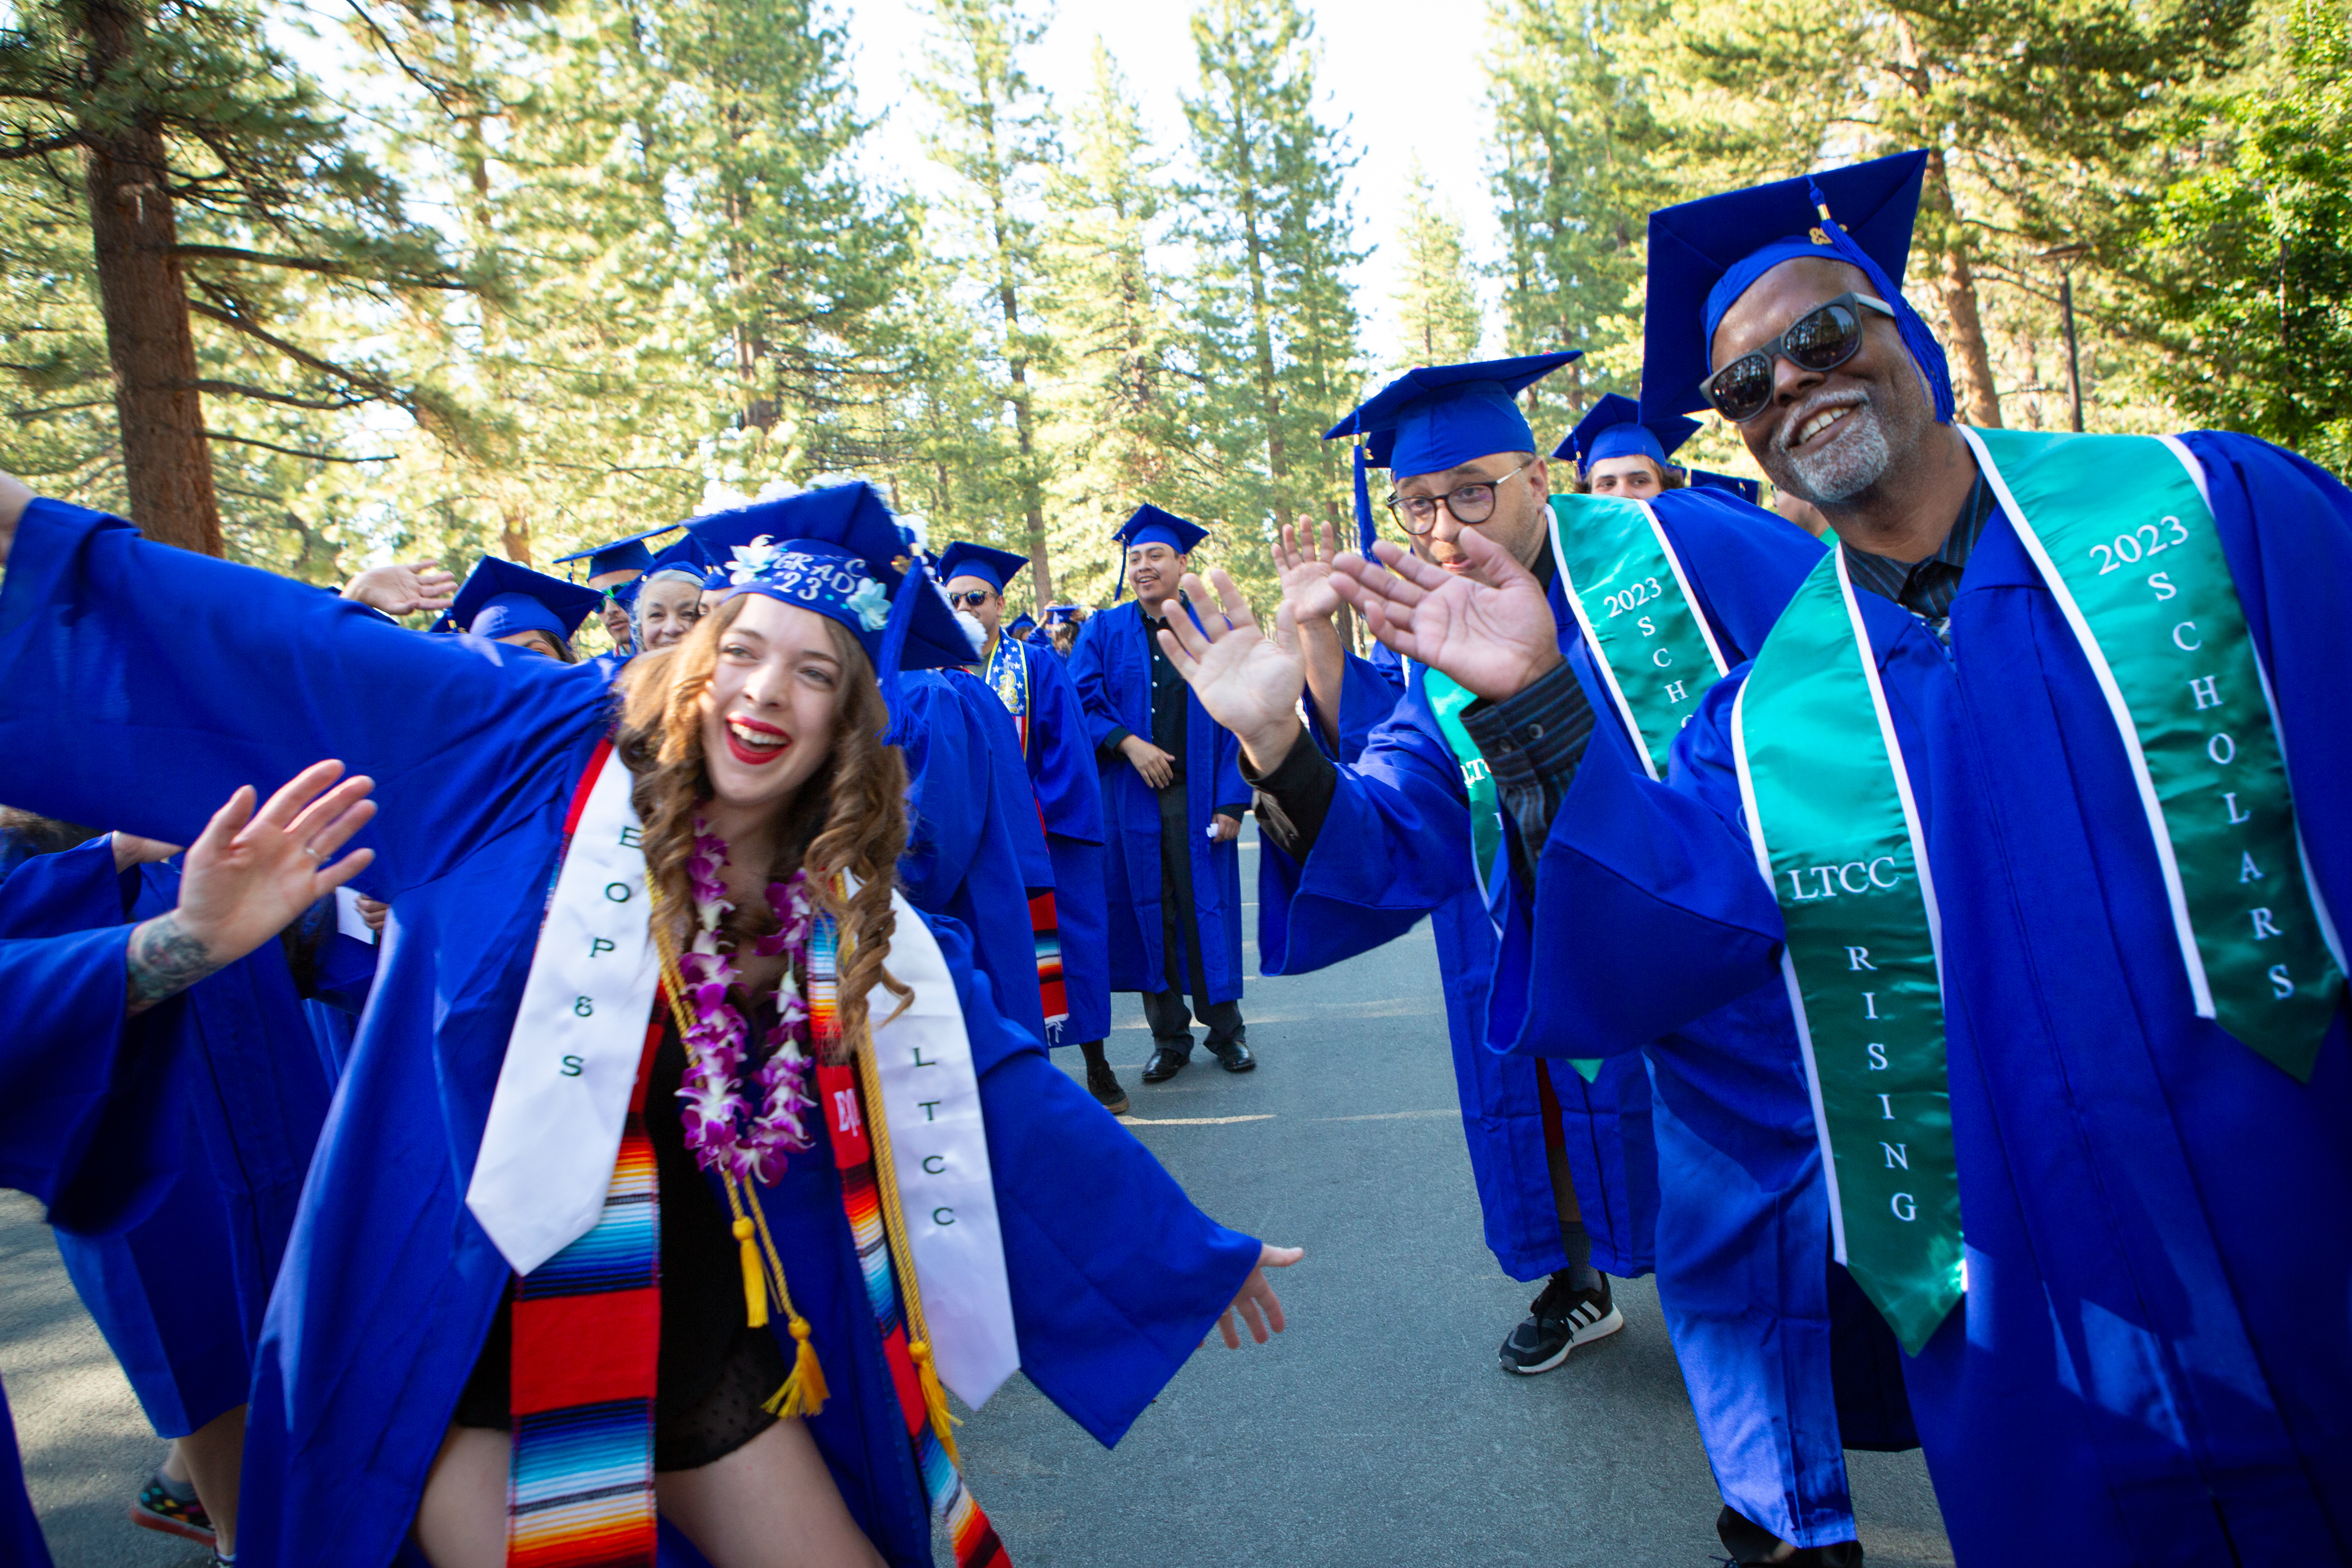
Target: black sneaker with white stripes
[{"x": 1558, "y": 1321}]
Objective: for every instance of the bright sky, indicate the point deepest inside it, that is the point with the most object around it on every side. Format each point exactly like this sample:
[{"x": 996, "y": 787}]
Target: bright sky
[{"x": 1404, "y": 77}]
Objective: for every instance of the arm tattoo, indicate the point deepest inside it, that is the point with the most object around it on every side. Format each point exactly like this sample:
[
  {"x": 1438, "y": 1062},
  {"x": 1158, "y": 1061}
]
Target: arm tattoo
[{"x": 164, "y": 960}]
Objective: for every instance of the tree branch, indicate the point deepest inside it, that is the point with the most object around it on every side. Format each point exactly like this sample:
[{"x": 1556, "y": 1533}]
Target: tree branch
[
  {"x": 243, "y": 389},
  {"x": 289, "y": 451},
  {"x": 299, "y": 356},
  {"x": 311, "y": 264},
  {"x": 40, "y": 149}
]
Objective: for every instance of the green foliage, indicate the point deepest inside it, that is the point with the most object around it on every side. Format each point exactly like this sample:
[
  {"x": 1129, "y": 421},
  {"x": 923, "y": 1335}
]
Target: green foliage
[
  {"x": 2249, "y": 260},
  {"x": 1437, "y": 305},
  {"x": 1273, "y": 334}
]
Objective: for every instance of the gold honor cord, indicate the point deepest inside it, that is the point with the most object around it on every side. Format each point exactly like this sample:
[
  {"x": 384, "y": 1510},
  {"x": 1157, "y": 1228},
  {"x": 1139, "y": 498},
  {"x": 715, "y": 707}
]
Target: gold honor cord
[
  {"x": 894, "y": 1217},
  {"x": 804, "y": 1391}
]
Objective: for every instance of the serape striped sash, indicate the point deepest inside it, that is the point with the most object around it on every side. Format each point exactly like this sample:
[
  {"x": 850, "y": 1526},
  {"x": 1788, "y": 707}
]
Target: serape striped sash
[
  {"x": 1045, "y": 924},
  {"x": 865, "y": 1203},
  {"x": 587, "y": 1352}
]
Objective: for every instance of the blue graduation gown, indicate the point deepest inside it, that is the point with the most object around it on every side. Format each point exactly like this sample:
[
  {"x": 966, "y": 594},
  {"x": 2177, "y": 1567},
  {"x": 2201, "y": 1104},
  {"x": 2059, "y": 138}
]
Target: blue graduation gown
[
  {"x": 1068, "y": 790},
  {"x": 1370, "y": 689},
  {"x": 89, "y": 1122},
  {"x": 1706, "y": 1165},
  {"x": 2151, "y": 1365},
  {"x": 179, "y": 1297},
  {"x": 147, "y": 676},
  {"x": 1111, "y": 666},
  {"x": 973, "y": 845}
]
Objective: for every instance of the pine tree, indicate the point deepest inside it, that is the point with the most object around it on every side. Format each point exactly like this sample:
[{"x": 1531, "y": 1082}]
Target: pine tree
[
  {"x": 1437, "y": 305},
  {"x": 1112, "y": 427},
  {"x": 1274, "y": 336},
  {"x": 996, "y": 134},
  {"x": 226, "y": 217}
]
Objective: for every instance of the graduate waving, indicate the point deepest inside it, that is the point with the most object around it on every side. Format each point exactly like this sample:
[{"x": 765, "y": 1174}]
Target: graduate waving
[
  {"x": 668, "y": 1158},
  {"x": 2034, "y": 802}
]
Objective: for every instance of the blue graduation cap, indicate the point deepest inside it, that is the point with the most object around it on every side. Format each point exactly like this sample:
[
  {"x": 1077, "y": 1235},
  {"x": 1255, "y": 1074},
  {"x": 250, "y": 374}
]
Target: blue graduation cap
[
  {"x": 1749, "y": 490},
  {"x": 838, "y": 551},
  {"x": 1440, "y": 416},
  {"x": 1705, "y": 253},
  {"x": 685, "y": 561},
  {"x": 1613, "y": 427},
  {"x": 1023, "y": 625},
  {"x": 500, "y": 598},
  {"x": 1061, "y": 615},
  {"x": 629, "y": 554},
  {"x": 994, "y": 567},
  {"x": 1150, "y": 525}
]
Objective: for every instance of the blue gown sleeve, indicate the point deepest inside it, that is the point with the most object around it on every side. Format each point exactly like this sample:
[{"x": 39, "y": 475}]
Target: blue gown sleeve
[
  {"x": 1647, "y": 912},
  {"x": 89, "y": 1100},
  {"x": 1062, "y": 768},
  {"x": 74, "y": 889},
  {"x": 1013, "y": 810},
  {"x": 1090, "y": 675},
  {"x": 1369, "y": 693},
  {"x": 1394, "y": 845},
  {"x": 146, "y": 684},
  {"x": 1115, "y": 1280}
]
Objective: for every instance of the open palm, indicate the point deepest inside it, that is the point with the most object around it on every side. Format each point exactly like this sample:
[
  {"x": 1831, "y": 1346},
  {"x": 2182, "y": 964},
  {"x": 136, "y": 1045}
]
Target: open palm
[
  {"x": 1248, "y": 682},
  {"x": 250, "y": 873},
  {"x": 1495, "y": 640},
  {"x": 1302, "y": 564}
]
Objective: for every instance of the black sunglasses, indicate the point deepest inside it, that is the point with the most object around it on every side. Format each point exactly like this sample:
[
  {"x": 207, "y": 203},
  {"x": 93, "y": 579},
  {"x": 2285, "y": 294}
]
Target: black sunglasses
[
  {"x": 1823, "y": 339},
  {"x": 972, "y": 599}
]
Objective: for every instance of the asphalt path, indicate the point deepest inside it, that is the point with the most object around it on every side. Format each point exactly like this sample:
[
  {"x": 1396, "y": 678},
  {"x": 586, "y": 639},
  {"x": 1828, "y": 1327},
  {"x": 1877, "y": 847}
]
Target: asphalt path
[{"x": 1377, "y": 1430}]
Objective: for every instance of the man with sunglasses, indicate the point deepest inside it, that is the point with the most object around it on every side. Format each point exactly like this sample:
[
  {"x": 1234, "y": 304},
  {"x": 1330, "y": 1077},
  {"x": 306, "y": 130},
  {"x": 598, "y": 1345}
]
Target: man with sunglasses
[
  {"x": 1029, "y": 679},
  {"x": 2034, "y": 802},
  {"x": 1358, "y": 854},
  {"x": 1172, "y": 806}
]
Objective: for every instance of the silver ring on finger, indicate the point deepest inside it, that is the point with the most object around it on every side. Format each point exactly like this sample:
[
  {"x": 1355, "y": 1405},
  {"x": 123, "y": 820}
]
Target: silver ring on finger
[{"x": 312, "y": 851}]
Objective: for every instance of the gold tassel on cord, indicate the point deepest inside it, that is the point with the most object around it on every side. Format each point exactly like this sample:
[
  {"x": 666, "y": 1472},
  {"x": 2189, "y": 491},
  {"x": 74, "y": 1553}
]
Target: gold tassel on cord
[
  {"x": 755, "y": 1277},
  {"x": 804, "y": 1392},
  {"x": 935, "y": 1398}
]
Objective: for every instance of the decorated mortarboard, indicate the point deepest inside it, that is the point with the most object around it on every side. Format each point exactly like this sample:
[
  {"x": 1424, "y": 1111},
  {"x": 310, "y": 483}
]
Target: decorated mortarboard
[
  {"x": 500, "y": 598},
  {"x": 1704, "y": 255},
  {"x": 1749, "y": 490},
  {"x": 1150, "y": 525},
  {"x": 994, "y": 567},
  {"x": 1439, "y": 417},
  {"x": 837, "y": 551},
  {"x": 629, "y": 554},
  {"x": 1061, "y": 615},
  {"x": 1614, "y": 428}
]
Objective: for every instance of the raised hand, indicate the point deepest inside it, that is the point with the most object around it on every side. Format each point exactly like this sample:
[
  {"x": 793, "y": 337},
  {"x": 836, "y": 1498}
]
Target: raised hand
[
  {"x": 1495, "y": 640},
  {"x": 1255, "y": 1303},
  {"x": 398, "y": 590},
  {"x": 248, "y": 876},
  {"x": 1248, "y": 683},
  {"x": 1302, "y": 561}
]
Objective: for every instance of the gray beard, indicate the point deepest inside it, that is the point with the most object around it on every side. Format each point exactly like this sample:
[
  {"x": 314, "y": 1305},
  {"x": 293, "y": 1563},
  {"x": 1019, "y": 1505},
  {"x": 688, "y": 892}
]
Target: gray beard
[{"x": 1858, "y": 459}]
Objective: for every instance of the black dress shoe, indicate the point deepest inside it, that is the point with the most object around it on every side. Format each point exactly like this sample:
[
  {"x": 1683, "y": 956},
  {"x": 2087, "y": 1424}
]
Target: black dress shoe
[
  {"x": 1166, "y": 1062},
  {"x": 1748, "y": 1541},
  {"x": 1233, "y": 1056}
]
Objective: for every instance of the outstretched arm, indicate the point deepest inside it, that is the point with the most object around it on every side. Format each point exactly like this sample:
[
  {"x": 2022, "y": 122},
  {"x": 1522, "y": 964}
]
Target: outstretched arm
[
  {"x": 247, "y": 877},
  {"x": 146, "y": 684}
]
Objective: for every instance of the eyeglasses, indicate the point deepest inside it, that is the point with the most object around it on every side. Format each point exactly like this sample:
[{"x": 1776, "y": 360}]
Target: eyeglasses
[
  {"x": 972, "y": 599},
  {"x": 1823, "y": 339},
  {"x": 1471, "y": 504}
]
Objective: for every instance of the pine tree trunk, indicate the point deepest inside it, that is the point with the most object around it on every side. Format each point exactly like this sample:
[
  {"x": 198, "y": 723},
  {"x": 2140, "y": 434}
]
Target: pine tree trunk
[
  {"x": 1973, "y": 391},
  {"x": 143, "y": 297}
]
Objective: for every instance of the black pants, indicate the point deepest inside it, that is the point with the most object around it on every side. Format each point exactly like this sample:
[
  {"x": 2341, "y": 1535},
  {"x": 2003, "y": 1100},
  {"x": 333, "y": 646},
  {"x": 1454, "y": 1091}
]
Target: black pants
[{"x": 1180, "y": 944}]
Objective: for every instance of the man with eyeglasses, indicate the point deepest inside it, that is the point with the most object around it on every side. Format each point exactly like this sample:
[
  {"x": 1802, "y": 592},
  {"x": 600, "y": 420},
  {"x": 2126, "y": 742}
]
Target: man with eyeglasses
[
  {"x": 2034, "y": 802},
  {"x": 1358, "y": 854},
  {"x": 1072, "y": 924},
  {"x": 1172, "y": 805}
]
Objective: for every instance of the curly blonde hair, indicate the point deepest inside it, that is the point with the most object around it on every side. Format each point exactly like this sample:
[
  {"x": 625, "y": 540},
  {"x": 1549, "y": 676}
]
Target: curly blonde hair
[{"x": 850, "y": 816}]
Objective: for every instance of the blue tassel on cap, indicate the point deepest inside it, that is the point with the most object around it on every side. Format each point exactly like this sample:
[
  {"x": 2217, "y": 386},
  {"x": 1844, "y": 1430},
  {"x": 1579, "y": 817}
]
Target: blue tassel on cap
[
  {"x": 917, "y": 581},
  {"x": 1365, "y": 531}
]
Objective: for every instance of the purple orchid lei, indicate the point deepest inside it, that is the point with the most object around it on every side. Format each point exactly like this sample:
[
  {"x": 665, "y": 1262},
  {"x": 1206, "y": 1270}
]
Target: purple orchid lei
[{"x": 721, "y": 1126}]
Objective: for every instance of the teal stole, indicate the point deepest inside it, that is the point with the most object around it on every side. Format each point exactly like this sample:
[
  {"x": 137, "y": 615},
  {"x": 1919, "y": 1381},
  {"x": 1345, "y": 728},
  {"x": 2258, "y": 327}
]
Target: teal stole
[{"x": 2122, "y": 537}]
